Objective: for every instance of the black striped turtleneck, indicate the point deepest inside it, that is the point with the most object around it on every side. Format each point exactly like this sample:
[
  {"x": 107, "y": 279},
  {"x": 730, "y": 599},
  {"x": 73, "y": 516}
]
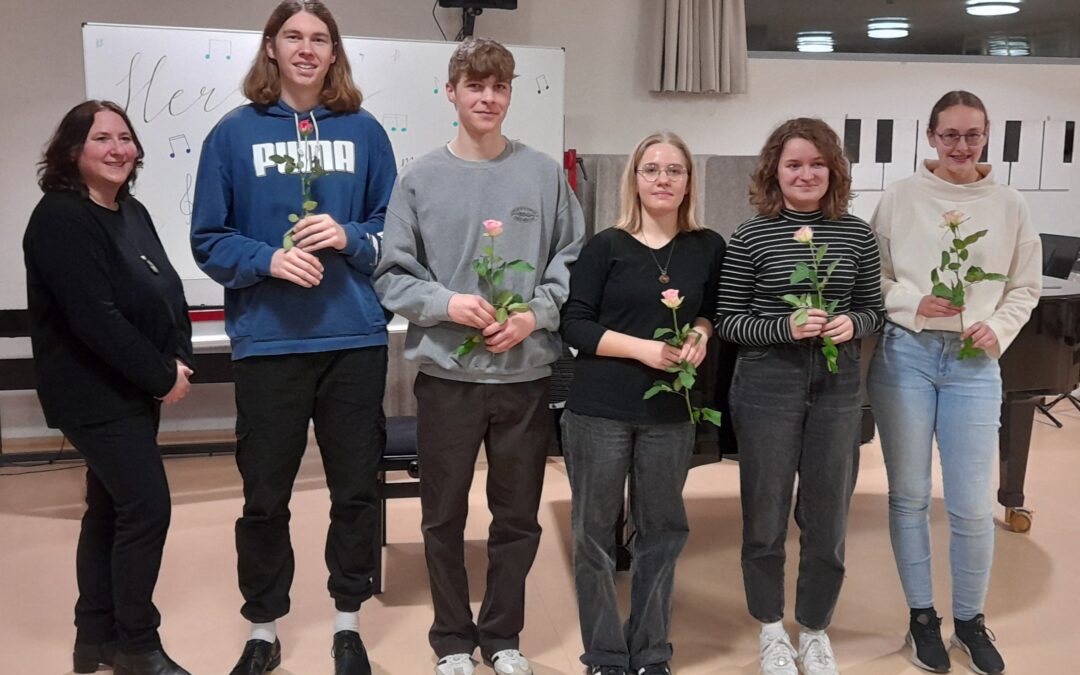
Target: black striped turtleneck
[{"x": 760, "y": 258}]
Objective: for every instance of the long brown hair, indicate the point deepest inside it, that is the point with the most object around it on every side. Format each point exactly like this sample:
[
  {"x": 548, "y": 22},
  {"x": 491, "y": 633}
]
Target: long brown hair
[
  {"x": 630, "y": 200},
  {"x": 765, "y": 193},
  {"x": 262, "y": 84},
  {"x": 58, "y": 170}
]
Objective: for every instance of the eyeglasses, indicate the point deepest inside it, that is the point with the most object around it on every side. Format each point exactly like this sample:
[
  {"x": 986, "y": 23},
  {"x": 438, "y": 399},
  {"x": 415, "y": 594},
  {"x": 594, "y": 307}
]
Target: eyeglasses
[
  {"x": 651, "y": 172},
  {"x": 952, "y": 138}
]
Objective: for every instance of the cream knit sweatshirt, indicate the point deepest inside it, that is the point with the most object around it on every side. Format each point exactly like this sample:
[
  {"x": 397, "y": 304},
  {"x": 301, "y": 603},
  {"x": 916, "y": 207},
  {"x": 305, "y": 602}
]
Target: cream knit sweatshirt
[{"x": 911, "y": 234}]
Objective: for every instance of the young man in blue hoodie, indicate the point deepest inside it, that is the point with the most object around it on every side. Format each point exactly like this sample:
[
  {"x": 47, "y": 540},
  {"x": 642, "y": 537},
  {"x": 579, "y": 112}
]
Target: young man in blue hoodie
[
  {"x": 308, "y": 335},
  {"x": 497, "y": 393}
]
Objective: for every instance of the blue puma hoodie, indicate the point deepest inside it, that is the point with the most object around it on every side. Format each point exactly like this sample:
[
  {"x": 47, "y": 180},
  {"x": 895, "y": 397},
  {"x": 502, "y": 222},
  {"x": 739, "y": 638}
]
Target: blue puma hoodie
[{"x": 240, "y": 216}]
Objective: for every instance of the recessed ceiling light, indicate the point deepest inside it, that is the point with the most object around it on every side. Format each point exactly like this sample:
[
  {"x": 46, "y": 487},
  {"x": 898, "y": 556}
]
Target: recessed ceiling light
[
  {"x": 1012, "y": 45},
  {"x": 888, "y": 28},
  {"x": 992, "y": 7},
  {"x": 814, "y": 41}
]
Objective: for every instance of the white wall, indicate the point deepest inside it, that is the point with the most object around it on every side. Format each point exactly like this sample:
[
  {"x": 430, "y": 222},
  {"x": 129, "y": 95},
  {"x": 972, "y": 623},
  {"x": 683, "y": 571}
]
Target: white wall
[{"x": 609, "y": 45}]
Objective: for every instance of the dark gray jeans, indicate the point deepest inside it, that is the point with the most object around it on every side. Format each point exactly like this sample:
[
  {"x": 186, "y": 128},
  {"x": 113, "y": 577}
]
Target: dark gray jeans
[
  {"x": 792, "y": 417},
  {"x": 600, "y": 453}
]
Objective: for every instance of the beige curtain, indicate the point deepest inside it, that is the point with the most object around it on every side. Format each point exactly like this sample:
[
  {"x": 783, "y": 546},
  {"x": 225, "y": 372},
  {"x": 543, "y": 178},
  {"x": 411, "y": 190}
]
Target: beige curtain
[{"x": 703, "y": 47}]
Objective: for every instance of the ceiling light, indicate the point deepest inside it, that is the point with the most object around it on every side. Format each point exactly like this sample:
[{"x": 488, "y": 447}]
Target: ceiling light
[
  {"x": 814, "y": 41},
  {"x": 888, "y": 28},
  {"x": 992, "y": 7},
  {"x": 1013, "y": 45}
]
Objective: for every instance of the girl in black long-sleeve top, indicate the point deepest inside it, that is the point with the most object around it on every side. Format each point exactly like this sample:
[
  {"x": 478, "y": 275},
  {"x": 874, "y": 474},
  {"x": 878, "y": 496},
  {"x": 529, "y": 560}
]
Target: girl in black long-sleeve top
[{"x": 111, "y": 340}]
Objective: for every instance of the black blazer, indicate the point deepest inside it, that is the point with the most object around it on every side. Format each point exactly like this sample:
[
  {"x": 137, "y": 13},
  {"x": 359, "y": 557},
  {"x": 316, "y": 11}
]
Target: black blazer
[{"x": 108, "y": 316}]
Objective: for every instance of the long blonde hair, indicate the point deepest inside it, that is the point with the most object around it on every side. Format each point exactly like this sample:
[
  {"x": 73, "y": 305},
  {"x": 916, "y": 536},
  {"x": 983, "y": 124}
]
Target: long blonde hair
[{"x": 630, "y": 200}]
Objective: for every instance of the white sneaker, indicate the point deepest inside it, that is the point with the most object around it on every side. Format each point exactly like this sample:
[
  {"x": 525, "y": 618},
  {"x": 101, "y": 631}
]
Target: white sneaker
[
  {"x": 777, "y": 656},
  {"x": 455, "y": 664},
  {"x": 816, "y": 655},
  {"x": 510, "y": 662}
]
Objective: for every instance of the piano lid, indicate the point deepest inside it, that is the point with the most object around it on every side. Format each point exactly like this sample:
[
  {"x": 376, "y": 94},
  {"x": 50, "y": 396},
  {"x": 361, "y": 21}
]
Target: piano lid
[{"x": 1052, "y": 287}]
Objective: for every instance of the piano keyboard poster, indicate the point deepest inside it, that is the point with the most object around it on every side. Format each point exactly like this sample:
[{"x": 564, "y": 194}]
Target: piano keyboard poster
[{"x": 1029, "y": 155}]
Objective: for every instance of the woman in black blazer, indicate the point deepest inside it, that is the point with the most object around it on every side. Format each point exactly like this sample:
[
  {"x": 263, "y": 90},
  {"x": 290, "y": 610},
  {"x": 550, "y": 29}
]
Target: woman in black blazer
[{"x": 112, "y": 341}]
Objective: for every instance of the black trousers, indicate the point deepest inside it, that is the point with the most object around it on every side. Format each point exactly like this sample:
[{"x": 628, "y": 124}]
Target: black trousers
[
  {"x": 276, "y": 398},
  {"x": 515, "y": 426},
  {"x": 123, "y": 532}
]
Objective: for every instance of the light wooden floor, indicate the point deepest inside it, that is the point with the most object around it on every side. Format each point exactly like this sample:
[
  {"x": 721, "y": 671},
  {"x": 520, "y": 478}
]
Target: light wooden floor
[{"x": 1032, "y": 603}]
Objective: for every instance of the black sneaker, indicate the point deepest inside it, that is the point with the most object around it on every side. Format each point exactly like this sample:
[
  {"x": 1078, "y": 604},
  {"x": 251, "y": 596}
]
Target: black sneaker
[
  {"x": 924, "y": 637},
  {"x": 607, "y": 670},
  {"x": 977, "y": 640},
  {"x": 655, "y": 669}
]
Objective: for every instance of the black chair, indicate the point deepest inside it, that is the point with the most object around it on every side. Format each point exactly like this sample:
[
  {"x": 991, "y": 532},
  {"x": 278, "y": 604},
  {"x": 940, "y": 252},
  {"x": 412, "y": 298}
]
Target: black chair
[
  {"x": 399, "y": 455},
  {"x": 1060, "y": 256}
]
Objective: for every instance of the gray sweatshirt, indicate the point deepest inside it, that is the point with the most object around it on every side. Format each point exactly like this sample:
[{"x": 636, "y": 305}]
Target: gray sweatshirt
[{"x": 434, "y": 230}]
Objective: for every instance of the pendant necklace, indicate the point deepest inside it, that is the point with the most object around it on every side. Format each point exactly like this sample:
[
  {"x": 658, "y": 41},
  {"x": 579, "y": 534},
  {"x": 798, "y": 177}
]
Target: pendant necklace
[{"x": 663, "y": 278}]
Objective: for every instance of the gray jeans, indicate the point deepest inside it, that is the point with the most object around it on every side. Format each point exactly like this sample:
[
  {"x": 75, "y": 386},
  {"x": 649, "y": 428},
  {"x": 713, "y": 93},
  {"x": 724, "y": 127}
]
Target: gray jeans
[
  {"x": 600, "y": 454},
  {"x": 792, "y": 417}
]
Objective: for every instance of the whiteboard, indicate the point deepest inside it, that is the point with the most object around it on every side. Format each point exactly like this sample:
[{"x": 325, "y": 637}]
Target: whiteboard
[{"x": 176, "y": 83}]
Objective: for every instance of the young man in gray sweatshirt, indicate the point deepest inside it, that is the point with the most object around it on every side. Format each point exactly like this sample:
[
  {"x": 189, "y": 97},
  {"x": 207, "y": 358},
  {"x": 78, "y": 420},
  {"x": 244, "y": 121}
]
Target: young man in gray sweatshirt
[{"x": 496, "y": 394}]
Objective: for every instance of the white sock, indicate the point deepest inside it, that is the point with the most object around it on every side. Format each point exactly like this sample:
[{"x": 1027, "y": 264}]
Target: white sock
[
  {"x": 805, "y": 632},
  {"x": 772, "y": 631},
  {"x": 264, "y": 631},
  {"x": 347, "y": 621}
]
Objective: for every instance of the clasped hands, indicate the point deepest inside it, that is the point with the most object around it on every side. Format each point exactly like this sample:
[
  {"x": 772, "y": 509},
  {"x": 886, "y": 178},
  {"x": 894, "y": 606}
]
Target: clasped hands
[{"x": 476, "y": 312}]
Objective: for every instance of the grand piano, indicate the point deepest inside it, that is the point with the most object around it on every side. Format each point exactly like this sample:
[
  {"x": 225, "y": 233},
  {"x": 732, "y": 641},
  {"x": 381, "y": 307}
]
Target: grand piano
[{"x": 1044, "y": 360}]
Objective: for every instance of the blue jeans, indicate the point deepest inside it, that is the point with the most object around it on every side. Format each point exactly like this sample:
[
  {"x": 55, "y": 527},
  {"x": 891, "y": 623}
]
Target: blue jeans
[
  {"x": 920, "y": 390},
  {"x": 600, "y": 453},
  {"x": 793, "y": 417}
]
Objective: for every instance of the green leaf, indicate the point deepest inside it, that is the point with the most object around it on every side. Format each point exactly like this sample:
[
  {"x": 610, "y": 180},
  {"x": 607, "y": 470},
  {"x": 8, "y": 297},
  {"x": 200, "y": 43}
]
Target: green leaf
[
  {"x": 710, "y": 415},
  {"x": 801, "y": 316},
  {"x": 677, "y": 385},
  {"x": 278, "y": 159},
  {"x": 501, "y": 314},
  {"x": 954, "y": 266},
  {"x": 945, "y": 258},
  {"x": 478, "y": 267},
  {"x": 686, "y": 380},
  {"x": 661, "y": 332},
  {"x": 819, "y": 255},
  {"x": 657, "y": 387},
  {"x": 497, "y": 277},
  {"x": 994, "y": 276},
  {"x": 293, "y": 218},
  {"x": 831, "y": 268},
  {"x": 503, "y": 298},
  {"x": 971, "y": 239},
  {"x": 940, "y": 290},
  {"x": 467, "y": 346},
  {"x": 968, "y": 350},
  {"x": 695, "y": 415},
  {"x": 934, "y": 277},
  {"x": 793, "y": 300},
  {"x": 958, "y": 296},
  {"x": 963, "y": 255},
  {"x": 974, "y": 274},
  {"x": 519, "y": 266},
  {"x": 487, "y": 250},
  {"x": 287, "y": 240},
  {"x": 801, "y": 273},
  {"x": 958, "y": 244},
  {"x": 832, "y": 306},
  {"x": 689, "y": 367},
  {"x": 518, "y": 307},
  {"x": 310, "y": 205}
]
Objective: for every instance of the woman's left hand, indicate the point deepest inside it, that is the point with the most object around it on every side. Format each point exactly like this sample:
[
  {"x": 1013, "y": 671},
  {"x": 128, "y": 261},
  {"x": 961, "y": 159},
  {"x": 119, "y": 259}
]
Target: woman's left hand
[
  {"x": 695, "y": 347},
  {"x": 982, "y": 336},
  {"x": 839, "y": 328},
  {"x": 319, "y": 231}
]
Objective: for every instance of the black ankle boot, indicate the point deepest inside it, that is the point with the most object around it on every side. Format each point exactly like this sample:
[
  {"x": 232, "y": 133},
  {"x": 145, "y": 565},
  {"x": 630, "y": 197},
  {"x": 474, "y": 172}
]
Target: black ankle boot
[
  {"x": 151, "y": 663},
  {"x": 978, "y": 641},
  {"x": 87, "y": 656}
]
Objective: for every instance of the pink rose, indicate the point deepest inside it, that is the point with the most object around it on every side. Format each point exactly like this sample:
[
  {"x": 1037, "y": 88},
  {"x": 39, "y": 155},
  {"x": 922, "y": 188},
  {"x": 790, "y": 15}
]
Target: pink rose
[
  {"x": 953, "y": 218},
  {"x": 304, "y": 127},
  {"x": 492, "y": 228},
  {"x": 671, "y": 298},
  {"x": 805, "y": 235}
]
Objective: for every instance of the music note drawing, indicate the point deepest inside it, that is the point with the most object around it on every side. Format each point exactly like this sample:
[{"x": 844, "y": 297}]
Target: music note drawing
[
  {"x": 179, "y": 141},
  {"x": 220, "y": 47}
]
